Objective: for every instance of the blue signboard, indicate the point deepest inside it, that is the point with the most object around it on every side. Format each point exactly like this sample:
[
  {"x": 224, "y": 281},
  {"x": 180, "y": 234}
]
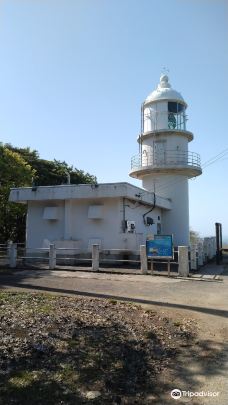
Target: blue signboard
[{"x": 160, "y": 247}]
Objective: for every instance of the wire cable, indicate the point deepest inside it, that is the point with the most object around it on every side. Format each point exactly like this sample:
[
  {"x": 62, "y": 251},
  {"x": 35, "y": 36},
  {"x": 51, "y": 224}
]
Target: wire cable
[{"x": 206, "y": 164}]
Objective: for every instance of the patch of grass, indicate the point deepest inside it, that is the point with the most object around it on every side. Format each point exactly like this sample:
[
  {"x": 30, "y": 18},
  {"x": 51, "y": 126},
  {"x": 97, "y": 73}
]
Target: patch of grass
[
  {"x": 42, "y": 303},
  {"x": 150, "y": 335},
  {"x": 24, "y": 378},
  {"x": 177, "y": 323},
  {"x": 113, "y": 302},
  {"x": 151, "y": 312},
  {"x": 68, "y": 375}
]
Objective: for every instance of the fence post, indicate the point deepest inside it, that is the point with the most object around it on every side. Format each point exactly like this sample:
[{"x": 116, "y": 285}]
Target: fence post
[
  {"x": 52, "y": 257},
  {"x": 12, "y": 254},
  {"x": 95, "y": 257},
  {"x": 205, "y": 250},
  {"x": 143, "y": 259},
  {"x": 200, "y": 254},
  {"x": 193, "y": 257},
  {"x": 183, "y": 261}
]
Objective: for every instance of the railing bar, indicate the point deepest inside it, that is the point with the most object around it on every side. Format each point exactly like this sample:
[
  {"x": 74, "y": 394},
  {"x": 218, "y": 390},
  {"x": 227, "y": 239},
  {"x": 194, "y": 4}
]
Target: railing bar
[
  {"x": 73, "y": 258},
  {"x": 120, "y": 260},
  {"x": 33, "y": 257}
]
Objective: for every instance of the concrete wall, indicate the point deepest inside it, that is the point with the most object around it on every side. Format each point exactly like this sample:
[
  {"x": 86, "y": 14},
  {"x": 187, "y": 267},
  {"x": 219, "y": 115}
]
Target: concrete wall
[
  {"x": 172, "y": 143},
  {"x": 73, "y": 223},
  {"x": 38, "y": 229}
]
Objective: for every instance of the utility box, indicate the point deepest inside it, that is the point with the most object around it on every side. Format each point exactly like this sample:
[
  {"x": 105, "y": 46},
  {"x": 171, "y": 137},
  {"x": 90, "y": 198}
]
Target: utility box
[
  {"x": 130, "y": 226},
  {"x": 149, "y": 221}
]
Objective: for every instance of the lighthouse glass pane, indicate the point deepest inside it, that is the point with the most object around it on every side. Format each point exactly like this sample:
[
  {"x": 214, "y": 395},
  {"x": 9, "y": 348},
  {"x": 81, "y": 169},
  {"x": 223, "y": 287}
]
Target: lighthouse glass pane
[
  {"x": 175, "y": 107},
  {"x": 176, "y": 115}
]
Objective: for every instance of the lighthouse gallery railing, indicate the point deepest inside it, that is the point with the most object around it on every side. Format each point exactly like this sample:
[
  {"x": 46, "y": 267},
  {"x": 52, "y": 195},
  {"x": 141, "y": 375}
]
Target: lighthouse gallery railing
[{"x": 165, "y": 158}]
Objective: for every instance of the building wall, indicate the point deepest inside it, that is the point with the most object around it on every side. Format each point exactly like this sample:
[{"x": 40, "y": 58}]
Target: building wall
[
  {"x": 38, "y": 229},
  {"x": 172, "y": 142},
  {"x": 155, "y": 116},
  {"x": 73, "y": 224},
  {"x": 175, "y": 221}
]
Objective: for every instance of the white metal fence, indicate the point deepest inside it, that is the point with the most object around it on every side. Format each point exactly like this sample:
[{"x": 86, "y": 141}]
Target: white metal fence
[{"x": 185, "y": 260}]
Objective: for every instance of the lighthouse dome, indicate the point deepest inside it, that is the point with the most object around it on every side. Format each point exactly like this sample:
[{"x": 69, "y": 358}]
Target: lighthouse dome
[{"x": 164, "y": 91}]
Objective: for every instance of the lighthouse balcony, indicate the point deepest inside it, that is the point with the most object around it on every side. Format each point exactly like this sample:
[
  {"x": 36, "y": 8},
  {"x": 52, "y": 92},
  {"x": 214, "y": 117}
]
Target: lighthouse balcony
[{"x": 167, "y": 161}]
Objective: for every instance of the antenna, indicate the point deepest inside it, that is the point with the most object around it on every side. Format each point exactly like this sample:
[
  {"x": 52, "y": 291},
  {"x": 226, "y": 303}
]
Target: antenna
[{"x": 165, "y": 70}]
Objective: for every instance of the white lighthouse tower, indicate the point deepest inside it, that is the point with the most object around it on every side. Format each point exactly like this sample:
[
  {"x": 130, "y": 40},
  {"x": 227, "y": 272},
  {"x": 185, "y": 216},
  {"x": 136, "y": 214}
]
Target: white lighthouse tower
[{"x": 164, "y": 162}]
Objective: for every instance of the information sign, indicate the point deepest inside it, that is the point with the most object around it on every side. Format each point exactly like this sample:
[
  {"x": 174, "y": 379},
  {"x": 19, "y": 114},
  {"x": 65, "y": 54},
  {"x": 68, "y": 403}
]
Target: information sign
[{"x": 160, "y": 246}]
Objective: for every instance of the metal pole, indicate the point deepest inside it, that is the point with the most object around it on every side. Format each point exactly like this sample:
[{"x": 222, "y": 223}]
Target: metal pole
[
  {"x": 217, "y": 231},
  {"x": 220, "y": 238}
]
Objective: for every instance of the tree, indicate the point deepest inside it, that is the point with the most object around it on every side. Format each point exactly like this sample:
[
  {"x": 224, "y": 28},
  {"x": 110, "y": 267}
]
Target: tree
[
  {"x": 14, "y": 172},
  {"x": 52, "y": 173},
  {"x": 23, "y": 167},
  {"x": 194, "y": 237}
]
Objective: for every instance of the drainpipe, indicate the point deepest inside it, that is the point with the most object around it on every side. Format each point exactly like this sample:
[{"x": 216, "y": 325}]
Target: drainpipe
[{"x": 154, "y": 204}]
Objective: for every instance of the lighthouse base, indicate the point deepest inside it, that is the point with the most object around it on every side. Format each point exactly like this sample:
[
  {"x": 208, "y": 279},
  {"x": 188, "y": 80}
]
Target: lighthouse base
[{"x": 176, "y": 220}]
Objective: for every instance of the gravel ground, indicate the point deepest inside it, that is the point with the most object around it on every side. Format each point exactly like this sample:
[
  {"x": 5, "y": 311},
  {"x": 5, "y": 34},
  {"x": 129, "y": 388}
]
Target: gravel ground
[{"x": 67, "y": 350}]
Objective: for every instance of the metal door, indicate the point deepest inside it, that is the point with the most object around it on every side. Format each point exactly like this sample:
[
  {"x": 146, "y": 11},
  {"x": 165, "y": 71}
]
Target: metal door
[{"x": 159, "y": 152}]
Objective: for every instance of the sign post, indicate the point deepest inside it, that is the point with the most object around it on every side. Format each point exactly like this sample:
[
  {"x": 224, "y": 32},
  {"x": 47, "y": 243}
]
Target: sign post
[{"x": 160, "y": 247}]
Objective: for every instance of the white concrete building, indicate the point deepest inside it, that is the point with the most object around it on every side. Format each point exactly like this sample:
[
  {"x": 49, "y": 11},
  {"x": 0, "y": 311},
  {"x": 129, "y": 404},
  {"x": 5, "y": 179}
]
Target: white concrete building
[{"x": 120, "y": 215}]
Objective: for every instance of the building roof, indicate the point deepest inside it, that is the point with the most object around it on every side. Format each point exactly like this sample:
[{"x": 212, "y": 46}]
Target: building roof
[
  {"x": 164, "y": 91},
  {"x": 87, "y": 191}
]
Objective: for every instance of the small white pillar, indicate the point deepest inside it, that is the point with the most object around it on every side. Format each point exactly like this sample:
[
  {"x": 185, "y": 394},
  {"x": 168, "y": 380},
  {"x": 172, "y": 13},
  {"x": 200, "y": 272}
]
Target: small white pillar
[
  {"x": 193, "y": 257},
  {"x": 200, "y": 254},
  {"x": 12, "y": 254},
  {"x": 143, "y": 259},
  {"x": 213, "y": 246},
  {"x": 210, "y": 255},
  {"x": 205, "y": 250},
  {"x": 183, "y": 261},
  {"x": 95, "y": 257},
  {"x": 52, "y": 257}
]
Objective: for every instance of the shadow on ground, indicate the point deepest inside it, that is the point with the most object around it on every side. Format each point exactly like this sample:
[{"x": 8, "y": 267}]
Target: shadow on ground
[{"x": 16, "y": 282}]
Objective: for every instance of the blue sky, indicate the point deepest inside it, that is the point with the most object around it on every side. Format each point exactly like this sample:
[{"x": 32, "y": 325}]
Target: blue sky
[{"x": 73, "y": 74}]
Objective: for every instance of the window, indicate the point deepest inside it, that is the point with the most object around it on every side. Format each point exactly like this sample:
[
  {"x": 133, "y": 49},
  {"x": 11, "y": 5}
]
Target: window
[
  {"x": 172, "y": 123},
  {"x": 176, "y": 115},
  {"x": 174, "y": 107}
]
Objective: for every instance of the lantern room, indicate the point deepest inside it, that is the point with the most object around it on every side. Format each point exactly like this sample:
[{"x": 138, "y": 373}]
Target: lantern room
[{"x": 164, "y": 109}]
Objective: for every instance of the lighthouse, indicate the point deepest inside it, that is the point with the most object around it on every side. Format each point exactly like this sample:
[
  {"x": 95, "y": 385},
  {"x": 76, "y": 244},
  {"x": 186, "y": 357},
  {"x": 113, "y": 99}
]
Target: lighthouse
[{"x": 164, "y": 163}]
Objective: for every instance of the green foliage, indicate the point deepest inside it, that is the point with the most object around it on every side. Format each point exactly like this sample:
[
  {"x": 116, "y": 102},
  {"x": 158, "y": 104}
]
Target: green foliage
[
  {"x": 14, "y": 172},
  {"x": 23, "y": 167},
  {"x": 52, "y": 173},
  {"x": 194, "y": 237}
]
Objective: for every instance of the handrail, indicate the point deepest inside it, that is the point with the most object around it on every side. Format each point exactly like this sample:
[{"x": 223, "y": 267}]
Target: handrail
[{"x": 165, "y": 158}]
